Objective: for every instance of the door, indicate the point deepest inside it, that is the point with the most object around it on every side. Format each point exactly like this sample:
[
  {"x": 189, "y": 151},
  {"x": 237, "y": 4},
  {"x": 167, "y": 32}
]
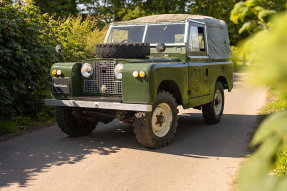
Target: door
[{"x": 199, "y": 70}]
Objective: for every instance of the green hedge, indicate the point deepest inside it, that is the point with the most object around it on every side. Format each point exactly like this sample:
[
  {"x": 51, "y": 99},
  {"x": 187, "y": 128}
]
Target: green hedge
[
  {"x": 27, "y": 51},
  {"x": 26, "y": 55}
]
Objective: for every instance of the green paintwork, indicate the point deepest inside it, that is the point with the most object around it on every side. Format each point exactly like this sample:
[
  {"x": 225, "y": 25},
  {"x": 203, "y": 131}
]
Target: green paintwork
[
  {"x": 72, "y": 71},
  {"x": 175, "y": 52},
  {"x": 175, "y": 72},
  {"x": 201, "y": 85},
  {"x": 196, "y": 53},
  {"x": 198, "y": 81},
  {"x": 135, "y": 90}
]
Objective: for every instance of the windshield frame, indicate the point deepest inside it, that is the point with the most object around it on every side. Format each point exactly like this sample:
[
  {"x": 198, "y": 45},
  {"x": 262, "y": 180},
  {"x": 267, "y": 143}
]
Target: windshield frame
[{"x": 145, "y": 30}]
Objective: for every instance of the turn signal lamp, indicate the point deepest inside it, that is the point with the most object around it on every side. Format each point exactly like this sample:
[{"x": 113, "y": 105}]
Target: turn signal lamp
[
  {"x": 135, "y": 74},
  {"x": 59, "y": 72},
  {"x": 142, "y": 74},
  {"x": 54, "y": 72}
]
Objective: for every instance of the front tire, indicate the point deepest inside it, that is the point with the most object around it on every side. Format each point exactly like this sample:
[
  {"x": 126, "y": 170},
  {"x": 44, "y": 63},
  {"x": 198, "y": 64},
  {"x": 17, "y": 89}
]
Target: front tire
[
  {"x": 72, "y": 126},
  {"x": 213, "y": 111},
  {"x": 155, "y": 129}
]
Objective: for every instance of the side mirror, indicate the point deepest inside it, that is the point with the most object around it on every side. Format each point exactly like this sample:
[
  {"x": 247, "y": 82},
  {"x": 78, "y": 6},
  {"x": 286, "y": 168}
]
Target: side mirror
[
  {"x": 58, "y": 48},
  {"x": 160, "y": 47}
]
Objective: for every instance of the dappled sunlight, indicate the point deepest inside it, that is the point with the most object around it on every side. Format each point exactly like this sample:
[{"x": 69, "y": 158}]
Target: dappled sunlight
[{"x": 194, "y": 138}]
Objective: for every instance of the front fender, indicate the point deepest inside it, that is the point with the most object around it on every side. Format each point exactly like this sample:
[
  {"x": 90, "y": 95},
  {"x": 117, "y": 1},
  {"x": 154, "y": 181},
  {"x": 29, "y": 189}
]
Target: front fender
[
  {"x": 135, "y": 90},
  {"x": 144, "y": 90},
  {"x": 71, "y": 71},
  {"x": 174, "y": 72}
]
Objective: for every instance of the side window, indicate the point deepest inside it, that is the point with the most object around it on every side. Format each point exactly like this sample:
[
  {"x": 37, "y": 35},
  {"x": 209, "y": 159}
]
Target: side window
[
  {"x": 196, "y": 39},
  {"x": 193, "y": 39}
]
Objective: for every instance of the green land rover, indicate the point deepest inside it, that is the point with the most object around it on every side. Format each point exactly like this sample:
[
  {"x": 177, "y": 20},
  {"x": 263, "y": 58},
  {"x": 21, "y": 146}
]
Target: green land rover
[{"x": 144, "y": 69}]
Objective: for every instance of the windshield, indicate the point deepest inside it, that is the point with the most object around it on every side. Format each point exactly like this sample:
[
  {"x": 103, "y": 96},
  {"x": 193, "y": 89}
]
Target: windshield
[
  {"x": 126, "y": 34},
  {"x": 171, "y": 33},
  {"x": 166, "y": 33}
]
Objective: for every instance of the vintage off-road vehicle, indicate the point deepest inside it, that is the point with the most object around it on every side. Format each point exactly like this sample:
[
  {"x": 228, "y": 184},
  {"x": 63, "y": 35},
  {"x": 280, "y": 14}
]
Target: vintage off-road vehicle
[{"x": 144, "y": 69}]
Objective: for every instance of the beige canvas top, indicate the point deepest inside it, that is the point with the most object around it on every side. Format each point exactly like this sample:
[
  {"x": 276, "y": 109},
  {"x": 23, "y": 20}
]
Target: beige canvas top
[
  {"x": 175, "y": 18},
  {"x": 217, "y": 30}
]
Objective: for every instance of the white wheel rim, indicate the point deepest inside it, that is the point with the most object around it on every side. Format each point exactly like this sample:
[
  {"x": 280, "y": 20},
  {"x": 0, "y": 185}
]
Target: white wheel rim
[
  {"x": 217, "y": 102},
  {"x": 161, "y": 120}
]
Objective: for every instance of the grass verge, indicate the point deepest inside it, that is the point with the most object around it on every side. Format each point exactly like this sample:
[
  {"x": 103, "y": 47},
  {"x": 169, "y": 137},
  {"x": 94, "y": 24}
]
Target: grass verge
[
  {"x": 22, "y": 123},
  {"x": 276, "y": 101}
]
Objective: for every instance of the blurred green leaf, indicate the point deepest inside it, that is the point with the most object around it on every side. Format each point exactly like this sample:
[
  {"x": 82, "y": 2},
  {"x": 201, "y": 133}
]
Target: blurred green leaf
[
  {"x": 265, "y": 13},
  {"x": 266, "y": 130},
  {"x": 247, "y": 26},
  {"x": 267, "y": 49}
]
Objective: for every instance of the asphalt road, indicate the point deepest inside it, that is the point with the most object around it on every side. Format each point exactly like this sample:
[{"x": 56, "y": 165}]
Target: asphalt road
[{"x": 200, "y": 157}]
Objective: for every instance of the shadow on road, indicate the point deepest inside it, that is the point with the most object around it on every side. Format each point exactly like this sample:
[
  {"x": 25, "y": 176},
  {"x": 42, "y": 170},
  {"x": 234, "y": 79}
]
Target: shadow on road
[{"x": 38, "y": 151}]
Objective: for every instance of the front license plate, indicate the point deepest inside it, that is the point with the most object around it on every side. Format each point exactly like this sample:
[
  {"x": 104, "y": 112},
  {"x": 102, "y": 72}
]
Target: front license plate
[{"x": 61, "y": 85}]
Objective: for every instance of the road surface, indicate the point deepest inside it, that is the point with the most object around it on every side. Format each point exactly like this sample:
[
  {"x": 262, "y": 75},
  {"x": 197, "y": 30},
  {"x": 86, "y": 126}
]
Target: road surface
[{"x": 200, "y": 157}]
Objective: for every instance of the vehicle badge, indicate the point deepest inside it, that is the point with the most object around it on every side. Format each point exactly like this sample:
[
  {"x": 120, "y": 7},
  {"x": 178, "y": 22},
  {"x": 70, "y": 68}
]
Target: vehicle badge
[{"x": 103, "y": 88}]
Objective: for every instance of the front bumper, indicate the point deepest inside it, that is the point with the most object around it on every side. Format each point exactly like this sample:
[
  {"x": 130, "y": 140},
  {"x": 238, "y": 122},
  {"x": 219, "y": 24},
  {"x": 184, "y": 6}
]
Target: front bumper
[{"x": 100, "y": 105}]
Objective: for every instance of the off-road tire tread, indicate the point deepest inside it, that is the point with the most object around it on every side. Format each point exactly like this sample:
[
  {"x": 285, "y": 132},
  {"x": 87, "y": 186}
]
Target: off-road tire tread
[
  {"x": 66, "y": 120},
  {"x": 141, "y": 123},
  {"x": 123, "y": 50},
  {"x": 208, "y": 109}
]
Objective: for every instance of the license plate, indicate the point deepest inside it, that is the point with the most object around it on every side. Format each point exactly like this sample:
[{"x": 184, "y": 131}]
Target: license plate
[{"x": 61, "y": 85}]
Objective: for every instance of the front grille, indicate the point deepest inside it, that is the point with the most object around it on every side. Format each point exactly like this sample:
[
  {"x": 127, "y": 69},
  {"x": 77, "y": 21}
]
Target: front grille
[{"x": 103, "y": 79}]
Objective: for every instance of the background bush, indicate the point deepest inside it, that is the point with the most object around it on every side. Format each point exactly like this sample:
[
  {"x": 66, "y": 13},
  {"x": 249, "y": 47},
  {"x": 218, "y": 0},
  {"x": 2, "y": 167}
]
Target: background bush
[{"x": 79, "y": 38}]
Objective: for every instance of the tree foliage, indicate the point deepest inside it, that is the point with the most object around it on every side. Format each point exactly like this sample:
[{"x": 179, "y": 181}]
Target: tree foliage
[
  {"x": 257, "y": 14},
  {"x": 59, "y": 8},
  {"x": 118, "y": 10}
]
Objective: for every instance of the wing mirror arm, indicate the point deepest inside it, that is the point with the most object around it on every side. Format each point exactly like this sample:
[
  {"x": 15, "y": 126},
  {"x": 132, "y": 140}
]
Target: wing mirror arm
[{"x": 160, "y": 47}]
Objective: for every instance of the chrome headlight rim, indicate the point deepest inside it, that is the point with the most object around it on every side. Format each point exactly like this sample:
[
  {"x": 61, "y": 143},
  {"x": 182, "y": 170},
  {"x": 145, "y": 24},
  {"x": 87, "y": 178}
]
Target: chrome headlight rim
[
  {"x": 118, "y": 71},
  {"x": 87, "y": 70}
]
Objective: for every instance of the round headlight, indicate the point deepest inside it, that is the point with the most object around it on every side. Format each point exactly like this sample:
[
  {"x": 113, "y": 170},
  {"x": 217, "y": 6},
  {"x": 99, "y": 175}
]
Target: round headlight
[
  {"x": 87, "y": 70},
  {"x": 118, "y": 71}
]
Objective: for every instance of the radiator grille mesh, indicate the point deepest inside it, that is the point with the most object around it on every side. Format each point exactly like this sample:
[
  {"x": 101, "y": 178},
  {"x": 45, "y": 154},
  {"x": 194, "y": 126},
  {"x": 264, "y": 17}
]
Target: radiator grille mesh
[{"x": 103, "y": 79}]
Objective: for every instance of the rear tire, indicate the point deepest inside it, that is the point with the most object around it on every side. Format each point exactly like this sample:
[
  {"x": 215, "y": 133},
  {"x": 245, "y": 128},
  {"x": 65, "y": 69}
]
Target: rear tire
[
  {"x": 155, "y": 129},
  {"x": 72, "y": 126},
  {"x": 213, "y": 111}
]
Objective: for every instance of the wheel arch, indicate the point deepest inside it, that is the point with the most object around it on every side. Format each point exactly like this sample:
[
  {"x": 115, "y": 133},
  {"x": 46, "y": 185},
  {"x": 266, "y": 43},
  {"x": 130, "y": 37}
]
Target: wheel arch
[
  {"x": 223, "y": 81},
  {"x": 172, "y": 87}
]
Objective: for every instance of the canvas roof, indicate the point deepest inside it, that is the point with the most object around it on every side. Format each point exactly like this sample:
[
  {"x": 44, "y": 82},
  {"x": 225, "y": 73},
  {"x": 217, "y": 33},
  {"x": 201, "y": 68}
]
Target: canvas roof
[
  {"x": 175, "y": 18},
  {"x": 217, "y": 30}
]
